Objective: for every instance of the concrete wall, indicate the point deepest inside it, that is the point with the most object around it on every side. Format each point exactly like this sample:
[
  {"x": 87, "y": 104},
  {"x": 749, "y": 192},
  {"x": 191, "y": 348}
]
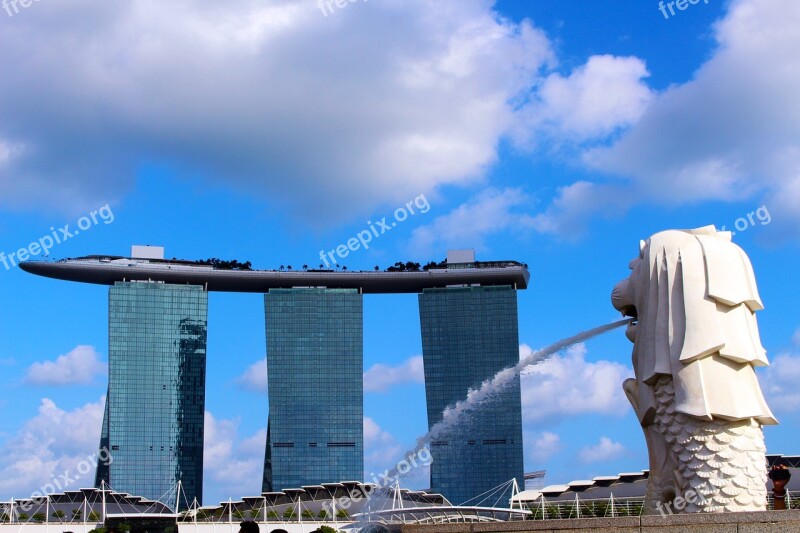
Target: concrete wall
[{"x": 764, "y": 522}]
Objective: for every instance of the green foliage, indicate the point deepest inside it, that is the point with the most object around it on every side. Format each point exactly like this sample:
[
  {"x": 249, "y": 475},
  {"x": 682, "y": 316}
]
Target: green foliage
[
  {"x": 58, "y": 514},
  {"x": 342, "y": 513},
  {"x": 5, "y": 518},
  {"x": 289, "y": 514},
  {"x": 327, "y": 529},
  {"x": 255, "y": 513},
  {"x": 272, "y": 515},
  {"x": 323, "y": 514},
  {"x": 203, "y": 514},
  {"x": 39, "y": 517},
  {"x": 408, "y": 266},
  {"x": 124, "y": 528},
  {"x": 221, "y": 264},
  {"x": 94, "y": 516},
  {"x": 77, "y": 514},
  {"x": 239, "y": 514},
  {"x": 307, "y": 514},
  {"x": 98, "y": 530},
  {"x": 23, "y": 516}
]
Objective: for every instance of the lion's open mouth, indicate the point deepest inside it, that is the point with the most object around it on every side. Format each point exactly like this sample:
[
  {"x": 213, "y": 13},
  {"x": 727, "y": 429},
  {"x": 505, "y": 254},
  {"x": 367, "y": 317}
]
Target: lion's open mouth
[{"x": 630, "y": 311}]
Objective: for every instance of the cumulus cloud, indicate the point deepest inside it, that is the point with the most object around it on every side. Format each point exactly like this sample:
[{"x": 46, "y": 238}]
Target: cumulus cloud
[
  {"x": 255, "y": 377},
  {"x": 595, "y": 100},
  {"x": 605, "y": 450},
  {"x": 575, "y": 204},
  {"x": 51, "y": 443},
  {"x": 381, "y": 378},
  {"x": 371, "y": 106},
  {"x": 381, "y": 449},
  {"x": 78, "y": 367},
  {"x": 233, "y": 466},
  {"x": 469, "y": 225},
  {"x": 567, "y": 385},
  {"x": 729, "y": 133},
  {"x": 543, "y": 446}
]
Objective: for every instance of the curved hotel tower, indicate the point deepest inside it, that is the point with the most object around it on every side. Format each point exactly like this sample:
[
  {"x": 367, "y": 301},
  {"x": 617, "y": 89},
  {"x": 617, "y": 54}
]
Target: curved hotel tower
[{"x": 158, "y": 313}]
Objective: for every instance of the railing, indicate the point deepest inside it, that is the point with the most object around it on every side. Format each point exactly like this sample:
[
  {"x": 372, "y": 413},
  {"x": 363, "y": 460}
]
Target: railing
[
  {"x": 605, "y": 508},
  {"x": 614, "y": 507}
]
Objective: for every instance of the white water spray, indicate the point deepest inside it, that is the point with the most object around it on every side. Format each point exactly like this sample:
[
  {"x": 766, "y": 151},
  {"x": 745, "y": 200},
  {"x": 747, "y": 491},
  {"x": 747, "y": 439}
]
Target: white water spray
[{"x": 490, "y": 388}]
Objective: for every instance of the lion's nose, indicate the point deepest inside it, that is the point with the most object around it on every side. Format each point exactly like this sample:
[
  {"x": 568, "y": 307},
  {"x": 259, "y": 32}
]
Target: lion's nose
[{"x": 621, "y": 296}]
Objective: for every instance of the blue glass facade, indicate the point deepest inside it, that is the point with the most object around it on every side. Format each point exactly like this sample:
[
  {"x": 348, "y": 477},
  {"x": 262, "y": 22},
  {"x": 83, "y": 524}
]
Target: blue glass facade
[
  {"x": 468, "y": 335},
  {"x": 315, "y": 365},
  {"x": 153, "y": 424}
]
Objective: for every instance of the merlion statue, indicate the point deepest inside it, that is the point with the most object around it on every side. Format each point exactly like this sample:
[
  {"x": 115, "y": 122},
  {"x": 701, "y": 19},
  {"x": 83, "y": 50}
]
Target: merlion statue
[{"x": 693, "y": 297}]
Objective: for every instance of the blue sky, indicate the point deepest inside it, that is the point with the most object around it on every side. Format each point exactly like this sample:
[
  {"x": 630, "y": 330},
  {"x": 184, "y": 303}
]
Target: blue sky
[{"x": 556, "y": 133}]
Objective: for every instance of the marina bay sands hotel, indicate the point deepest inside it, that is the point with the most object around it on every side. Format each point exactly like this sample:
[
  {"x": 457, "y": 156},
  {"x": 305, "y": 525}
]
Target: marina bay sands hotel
[{"x": 158, "y": 318}]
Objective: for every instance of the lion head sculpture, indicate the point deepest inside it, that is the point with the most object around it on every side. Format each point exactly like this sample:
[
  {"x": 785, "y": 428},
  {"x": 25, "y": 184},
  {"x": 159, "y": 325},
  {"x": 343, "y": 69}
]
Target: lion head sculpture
[{"x": 692, "y": 298}]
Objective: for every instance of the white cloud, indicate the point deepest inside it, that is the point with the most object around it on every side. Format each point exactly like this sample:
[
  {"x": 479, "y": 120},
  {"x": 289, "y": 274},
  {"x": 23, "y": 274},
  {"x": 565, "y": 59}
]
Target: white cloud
[
  {"x": 374, "y": 105},
  {"x": 469, "y": 225},
  {"x": 255, "y": 377},
  {"x": 233, "y": 467},
  {"x": 381, "y": 449},
  {"x": 381, "y": 378},
  {"x": 543, "y": 446},
  {"x": 605, "y": 450},
  {"x": 595, "y": 100},
  {"x": 53, "y": 442},
  {"x": 574, "y": 204},
  {"x": 567, "y": 385},
  {"x": 78, "y": 367},
  {"x": 732, "y": 131}
]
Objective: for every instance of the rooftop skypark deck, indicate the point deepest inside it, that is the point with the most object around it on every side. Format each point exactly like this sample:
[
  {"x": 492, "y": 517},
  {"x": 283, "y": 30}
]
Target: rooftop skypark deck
[{"x": 106, "y": 270}]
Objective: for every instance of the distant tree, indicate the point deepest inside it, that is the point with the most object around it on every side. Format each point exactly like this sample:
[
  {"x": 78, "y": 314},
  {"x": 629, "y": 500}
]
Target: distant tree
[
  {"x": 23, "y": 516},
  {"x": 307, "y": 514},
  {"x": 344, "y": 268},
  {"x": 282, "y": 268},
  {"x": 272, "y": 515},
  {"x": 76, "y": 514},
  {"x": 289, "y": 267},
  {"x": 305, "y": 267},
  {"x": 322, "y": 515},
  {"x": 321, "y": 266},
  {"x": 94, "y": 516},
  {"x": 342, "y": 513},
  {"x": 39, "y": 517},
  {"x": 377, "y": 268},
  {"x": 58, "y": 513},
  {"x": 239, "y": 514}
]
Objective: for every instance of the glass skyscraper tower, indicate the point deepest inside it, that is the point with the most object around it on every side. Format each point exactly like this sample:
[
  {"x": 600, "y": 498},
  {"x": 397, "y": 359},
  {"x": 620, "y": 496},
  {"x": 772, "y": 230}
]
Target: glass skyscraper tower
[
  {"x": 468, "y": 335},
  {"x": 153, "y": 423},
  {"x": 315, "y": 366}
]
